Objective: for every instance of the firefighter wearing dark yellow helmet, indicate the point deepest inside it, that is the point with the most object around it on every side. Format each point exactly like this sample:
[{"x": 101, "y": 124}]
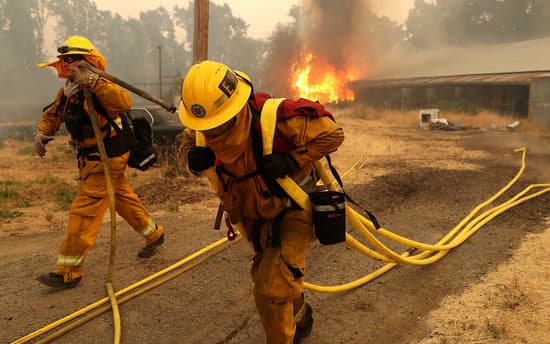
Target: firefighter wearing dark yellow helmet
[
  {"x": 220, "y": 104},
  {"x": 89, "y": 206}
]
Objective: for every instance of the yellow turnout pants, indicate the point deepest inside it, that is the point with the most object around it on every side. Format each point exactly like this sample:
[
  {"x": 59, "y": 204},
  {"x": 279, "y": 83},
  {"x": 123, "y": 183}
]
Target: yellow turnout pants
[
  {"x": 88, "y": 209},
  {"x": 277, "y": 274}
]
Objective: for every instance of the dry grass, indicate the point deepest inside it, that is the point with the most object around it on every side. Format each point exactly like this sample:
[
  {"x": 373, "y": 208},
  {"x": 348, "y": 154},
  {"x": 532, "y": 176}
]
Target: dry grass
[
  {"x": 483, "y": 120},
  {"x": 510, "y": 306},
  {"x": 37, "y": 201}
]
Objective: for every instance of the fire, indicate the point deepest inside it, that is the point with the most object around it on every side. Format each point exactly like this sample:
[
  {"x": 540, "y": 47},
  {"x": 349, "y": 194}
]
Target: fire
[{"x": 317, "y": 80}]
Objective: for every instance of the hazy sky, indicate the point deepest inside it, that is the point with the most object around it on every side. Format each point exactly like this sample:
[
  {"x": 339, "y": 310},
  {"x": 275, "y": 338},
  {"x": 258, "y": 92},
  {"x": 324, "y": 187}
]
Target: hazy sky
[{"x": 262, "y": 16}]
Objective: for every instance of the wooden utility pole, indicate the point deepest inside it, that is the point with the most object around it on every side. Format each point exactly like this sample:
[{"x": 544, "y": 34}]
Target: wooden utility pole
[
  {"x": 160, "y": 72},
  {"x": 200, "y": 37}
]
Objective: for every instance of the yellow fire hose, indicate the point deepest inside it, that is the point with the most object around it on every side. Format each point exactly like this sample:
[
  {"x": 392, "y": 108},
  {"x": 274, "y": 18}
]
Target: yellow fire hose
[
  {"x": 99, "y": 307},
  {"x": 430, "y": 254},
  {"x": 145, "y": 284},
  {"x": 111, "y": 195}
]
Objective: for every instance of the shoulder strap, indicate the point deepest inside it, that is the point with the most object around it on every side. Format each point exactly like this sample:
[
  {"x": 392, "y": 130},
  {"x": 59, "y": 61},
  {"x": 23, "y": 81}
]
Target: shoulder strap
[
  {"x": 268, "y": 122},
  {"x": 371, "y": 216}
]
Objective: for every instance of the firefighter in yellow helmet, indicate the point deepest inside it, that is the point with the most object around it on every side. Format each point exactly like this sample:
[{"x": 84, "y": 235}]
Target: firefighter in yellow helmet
[
  {"x": 88, "y": 208},
  {"x": 220, "y": 104}
]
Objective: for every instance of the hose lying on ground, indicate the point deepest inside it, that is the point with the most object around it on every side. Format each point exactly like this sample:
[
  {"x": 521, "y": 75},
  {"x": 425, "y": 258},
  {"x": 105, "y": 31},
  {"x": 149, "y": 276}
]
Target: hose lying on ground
[
  {"x": 430, "y": 253},
  {"x": 128, "y": 293}
]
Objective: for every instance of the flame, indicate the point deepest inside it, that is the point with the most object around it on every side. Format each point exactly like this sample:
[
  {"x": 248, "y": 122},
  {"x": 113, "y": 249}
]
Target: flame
[{"x": 317, "y": 80}]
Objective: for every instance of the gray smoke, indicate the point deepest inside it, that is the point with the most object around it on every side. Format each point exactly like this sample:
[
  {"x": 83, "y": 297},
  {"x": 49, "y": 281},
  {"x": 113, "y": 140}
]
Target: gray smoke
[{"x": 345, "y": 34}]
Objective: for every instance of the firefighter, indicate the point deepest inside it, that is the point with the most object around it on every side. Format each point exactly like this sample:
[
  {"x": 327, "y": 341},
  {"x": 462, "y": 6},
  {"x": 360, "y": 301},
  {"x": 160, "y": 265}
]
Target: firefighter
[
  {"x": 88, "y": 207},
  {"x": 220, "y": 103}
]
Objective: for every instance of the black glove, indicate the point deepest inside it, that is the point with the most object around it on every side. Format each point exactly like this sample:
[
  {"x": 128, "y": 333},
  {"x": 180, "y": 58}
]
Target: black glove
[
  {"x": 200, "y": 159},
  {"x": 277, "y": 165}
]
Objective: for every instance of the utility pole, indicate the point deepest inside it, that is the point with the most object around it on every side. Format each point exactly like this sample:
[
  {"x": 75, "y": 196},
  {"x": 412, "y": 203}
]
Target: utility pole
[
  {"x": 200, "y": 36},
  {"x": 160, "y": 72}
]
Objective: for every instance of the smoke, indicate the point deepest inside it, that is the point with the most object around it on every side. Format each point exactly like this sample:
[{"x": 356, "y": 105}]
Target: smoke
[
  {"x": 330, "y": 29},
  {"x": 345, "y": 34}
]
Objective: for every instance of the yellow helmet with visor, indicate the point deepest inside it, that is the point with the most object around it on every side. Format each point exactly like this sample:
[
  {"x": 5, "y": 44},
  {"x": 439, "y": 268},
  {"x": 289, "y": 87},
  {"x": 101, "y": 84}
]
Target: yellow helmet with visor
[{"x": 211, "y": 95}]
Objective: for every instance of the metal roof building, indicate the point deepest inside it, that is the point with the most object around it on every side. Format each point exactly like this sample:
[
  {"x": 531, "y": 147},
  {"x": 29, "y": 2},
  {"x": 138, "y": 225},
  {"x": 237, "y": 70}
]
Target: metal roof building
[{"x": 516, "y": 81}]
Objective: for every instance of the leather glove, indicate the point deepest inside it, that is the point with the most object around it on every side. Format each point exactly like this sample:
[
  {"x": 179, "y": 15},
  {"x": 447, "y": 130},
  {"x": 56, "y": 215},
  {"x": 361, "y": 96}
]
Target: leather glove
[
  {"x": 200, "y": 159},
  {"x": 277, "y": 165},
  {"x": 85, "y": 77},
  {"x": 40, "y": 141}
]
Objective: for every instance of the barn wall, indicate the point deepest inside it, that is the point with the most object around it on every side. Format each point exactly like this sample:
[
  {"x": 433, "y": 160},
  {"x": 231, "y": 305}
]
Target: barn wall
[
  {"x": 539, "y": 102},
  {"x": 505, "y": 99}
]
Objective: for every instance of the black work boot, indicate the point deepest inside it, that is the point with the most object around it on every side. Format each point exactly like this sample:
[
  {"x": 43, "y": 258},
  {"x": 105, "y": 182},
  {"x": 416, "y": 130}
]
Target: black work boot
[
  {"x": 151, "y": 249},
  {"x": 56, "y": 281},
  {"x": 304, "y": 323}
]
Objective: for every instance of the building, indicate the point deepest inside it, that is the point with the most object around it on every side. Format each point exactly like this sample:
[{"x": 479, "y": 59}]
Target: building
[{"x": 511, "y": 79}]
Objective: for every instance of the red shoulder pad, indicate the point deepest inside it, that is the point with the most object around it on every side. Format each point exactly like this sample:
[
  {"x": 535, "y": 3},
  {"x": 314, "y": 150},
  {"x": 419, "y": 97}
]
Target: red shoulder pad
[
  {"x": 301, "y": 107},
  {"x": 288, "y": 109},
  {"x": 258, "y": 101}
]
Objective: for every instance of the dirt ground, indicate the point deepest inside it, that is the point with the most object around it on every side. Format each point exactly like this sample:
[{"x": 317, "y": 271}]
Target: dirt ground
[{"x": 419, "y": 183}]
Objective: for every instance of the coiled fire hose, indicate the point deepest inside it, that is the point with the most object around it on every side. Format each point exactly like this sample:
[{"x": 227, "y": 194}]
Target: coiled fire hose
[
  {"x": 91, "y": 311},
  {"x": 111, "y": 195},
  {"x": 430, "y": 254}
]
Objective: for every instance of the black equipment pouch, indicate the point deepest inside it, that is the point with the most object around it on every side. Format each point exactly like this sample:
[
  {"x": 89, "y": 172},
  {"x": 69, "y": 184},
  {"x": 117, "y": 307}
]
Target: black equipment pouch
[
  {"x": 114, "y": 146},
  {"x": 329, "y": 212},
  {"x": 142, "y": 152},
  {"x": 139, "y": 133},
  {"x": 329, "y": 216}
]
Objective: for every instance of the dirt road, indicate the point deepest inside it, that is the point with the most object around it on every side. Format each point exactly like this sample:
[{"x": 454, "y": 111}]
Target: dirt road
[{"x": 419, "y": 183}]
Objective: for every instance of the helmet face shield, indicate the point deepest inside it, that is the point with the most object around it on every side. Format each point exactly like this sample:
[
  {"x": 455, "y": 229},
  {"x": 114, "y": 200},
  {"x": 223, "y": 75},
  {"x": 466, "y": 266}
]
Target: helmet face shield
[{"x": 212, "y": 94}]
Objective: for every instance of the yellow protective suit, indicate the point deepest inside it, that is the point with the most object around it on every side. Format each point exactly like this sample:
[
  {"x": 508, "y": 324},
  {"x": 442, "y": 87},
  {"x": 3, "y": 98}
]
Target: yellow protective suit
[
  {"x": 278, "y": 269},
  {"x": 88, "y": 208}
]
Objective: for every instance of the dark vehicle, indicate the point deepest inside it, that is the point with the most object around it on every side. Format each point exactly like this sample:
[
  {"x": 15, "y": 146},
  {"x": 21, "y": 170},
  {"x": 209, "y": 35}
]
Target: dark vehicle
[{"x": 166, "y": 125}]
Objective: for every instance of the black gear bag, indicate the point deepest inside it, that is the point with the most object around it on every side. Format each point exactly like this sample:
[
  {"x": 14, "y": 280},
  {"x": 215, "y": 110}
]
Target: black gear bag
[
  {"x": 139, "y": 131},
  {"x": 329, "y": 216},
  {"x": 329, "y": 212}
]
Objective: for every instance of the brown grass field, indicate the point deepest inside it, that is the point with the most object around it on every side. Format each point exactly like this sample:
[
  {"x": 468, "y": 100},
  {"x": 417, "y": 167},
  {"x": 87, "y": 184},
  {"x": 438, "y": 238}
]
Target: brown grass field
[{"x": 493, "y": 288}]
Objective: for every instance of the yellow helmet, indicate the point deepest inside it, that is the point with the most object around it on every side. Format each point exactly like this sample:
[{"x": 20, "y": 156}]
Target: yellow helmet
[
  {"x": 76, "y": 45},
  {"x": 211, "y": 95}
]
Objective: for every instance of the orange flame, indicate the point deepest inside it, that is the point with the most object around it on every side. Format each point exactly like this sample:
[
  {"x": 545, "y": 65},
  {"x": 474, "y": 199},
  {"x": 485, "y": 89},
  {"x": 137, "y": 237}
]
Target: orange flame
[{"x": 321, "y": 81}]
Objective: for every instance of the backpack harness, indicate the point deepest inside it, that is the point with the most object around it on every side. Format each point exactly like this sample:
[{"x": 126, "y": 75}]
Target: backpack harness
[
  {"x": 79, "y": 126},
  {"x": 266, "y": 112}
]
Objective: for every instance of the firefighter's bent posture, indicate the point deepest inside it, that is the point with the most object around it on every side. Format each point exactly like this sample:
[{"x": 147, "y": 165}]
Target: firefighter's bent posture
[{"x": 220, "y": 104}]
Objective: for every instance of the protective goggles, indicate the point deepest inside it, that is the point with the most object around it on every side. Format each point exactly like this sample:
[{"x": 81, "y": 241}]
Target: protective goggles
[
  {"x": 71, "y": 58},
  {"x": 65, "y": 49}
]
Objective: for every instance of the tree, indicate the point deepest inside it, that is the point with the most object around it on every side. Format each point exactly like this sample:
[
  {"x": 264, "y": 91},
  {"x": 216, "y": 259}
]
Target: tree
[
  {"x": 451, "y": 22},
  {"x": 227, "y": 38},
  {"x": 21, "y": 26},
  {"x": 31, "y": 30}
]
